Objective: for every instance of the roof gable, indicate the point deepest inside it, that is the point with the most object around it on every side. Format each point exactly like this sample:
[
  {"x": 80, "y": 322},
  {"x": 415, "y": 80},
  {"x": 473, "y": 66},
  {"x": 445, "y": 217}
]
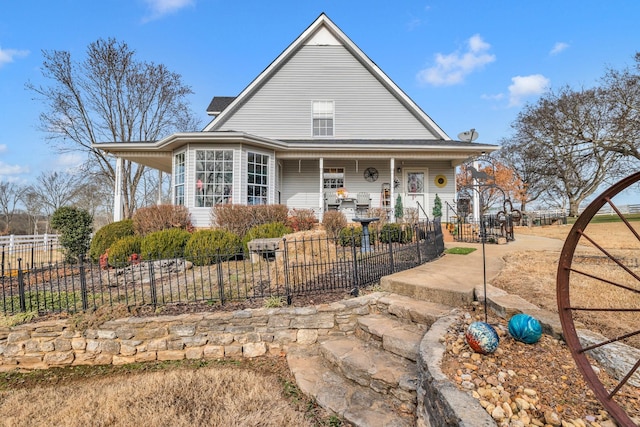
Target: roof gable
[{"x": 323, "y": 32}]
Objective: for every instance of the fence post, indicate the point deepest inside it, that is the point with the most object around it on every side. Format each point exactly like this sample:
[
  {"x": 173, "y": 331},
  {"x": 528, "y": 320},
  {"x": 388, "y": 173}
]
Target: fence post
[
  {"x": 220, "y": 276},
  {"x": 415, "y": 233},
  {"x": 21, "y": 295},
  {"x": 2, "y": 261},
  {"x": 389, "y": 240},
  {"x": 356, "y": 290},
  {"x": 152, "y": 284},
  {"x": 83, "y": 285},
  {"x": 285, "y": 263}
]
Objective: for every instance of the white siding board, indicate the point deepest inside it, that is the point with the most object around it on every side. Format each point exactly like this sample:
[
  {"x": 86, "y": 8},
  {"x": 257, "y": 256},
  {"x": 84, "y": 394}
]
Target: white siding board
[{"x": 364, "y": 107}]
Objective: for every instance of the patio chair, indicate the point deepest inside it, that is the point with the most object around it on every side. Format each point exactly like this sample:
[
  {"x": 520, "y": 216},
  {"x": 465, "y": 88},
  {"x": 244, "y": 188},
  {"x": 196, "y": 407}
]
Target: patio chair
[
  {"x": 363, "y": 202},
  {"x": 331, "y": 201}
]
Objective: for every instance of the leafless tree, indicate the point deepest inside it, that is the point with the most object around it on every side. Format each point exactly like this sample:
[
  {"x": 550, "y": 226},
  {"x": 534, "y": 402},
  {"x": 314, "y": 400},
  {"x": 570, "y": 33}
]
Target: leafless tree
[
  {"x": 557, "y": 141},
  {"x": 621, "y": 92},
  {"x": 11, "y": 194},
  {"x": 111, "y": 97},
  {"x": 53, "y": 190}
]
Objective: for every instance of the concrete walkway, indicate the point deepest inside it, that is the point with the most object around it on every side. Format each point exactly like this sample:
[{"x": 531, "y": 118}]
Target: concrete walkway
[{"x": 452, "y": 279}]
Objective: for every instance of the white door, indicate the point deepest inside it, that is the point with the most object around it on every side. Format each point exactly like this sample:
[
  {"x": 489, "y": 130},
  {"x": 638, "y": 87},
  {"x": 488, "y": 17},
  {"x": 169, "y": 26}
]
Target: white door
[{"x": 415, "y": 190}]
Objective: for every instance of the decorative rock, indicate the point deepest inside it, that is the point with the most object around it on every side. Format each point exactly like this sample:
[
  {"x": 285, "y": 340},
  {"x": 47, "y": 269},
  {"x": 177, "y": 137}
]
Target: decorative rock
[
  {"x": 498, "y": 413},
  {"x": 525, "y": 328},
  {"x": 552, "y": 418},
  {"x": 482, "y": 337}
]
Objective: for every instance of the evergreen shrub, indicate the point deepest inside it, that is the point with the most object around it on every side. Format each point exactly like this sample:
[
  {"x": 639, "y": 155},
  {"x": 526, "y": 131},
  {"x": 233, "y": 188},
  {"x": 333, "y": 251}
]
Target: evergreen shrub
[
  {"x": 164, "y": 244},
  {"x": 107, "y": 235},
  {"x": 204, "y": 246}
]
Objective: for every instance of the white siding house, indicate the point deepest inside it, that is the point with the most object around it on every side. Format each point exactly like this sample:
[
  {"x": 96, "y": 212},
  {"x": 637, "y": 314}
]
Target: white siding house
[{"x": 321, "y": 116}]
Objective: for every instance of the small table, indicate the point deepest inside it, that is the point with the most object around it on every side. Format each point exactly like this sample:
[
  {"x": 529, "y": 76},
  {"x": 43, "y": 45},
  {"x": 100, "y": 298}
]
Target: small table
[{"x": 366, "y": 244}]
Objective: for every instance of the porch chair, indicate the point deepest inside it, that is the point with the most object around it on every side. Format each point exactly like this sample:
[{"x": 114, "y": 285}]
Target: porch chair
[
  {"x": 331, "y": 201},
  {"x": 363, "y": 202}
]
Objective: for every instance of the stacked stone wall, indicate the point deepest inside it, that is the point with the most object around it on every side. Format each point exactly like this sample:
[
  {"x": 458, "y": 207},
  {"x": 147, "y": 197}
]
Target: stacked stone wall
[{"x": 244, "y": 333}]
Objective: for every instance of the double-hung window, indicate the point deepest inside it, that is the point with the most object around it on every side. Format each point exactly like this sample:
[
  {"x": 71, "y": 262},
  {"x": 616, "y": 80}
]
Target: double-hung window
[
  {"x": 257, "y": 178},
  {"x": 214, "y": 177},
  {"x": 178, "y": 178},
  {"x": 322, "y": 113}
]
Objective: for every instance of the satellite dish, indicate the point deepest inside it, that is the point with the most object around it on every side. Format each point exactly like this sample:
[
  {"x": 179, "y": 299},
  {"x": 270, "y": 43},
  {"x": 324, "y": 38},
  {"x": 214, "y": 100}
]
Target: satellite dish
[{"x": 468, "y": 135}]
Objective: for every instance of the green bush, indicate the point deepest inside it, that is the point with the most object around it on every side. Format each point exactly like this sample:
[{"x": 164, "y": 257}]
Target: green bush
[
  {"x": 121, "y": 250},
  {"x": 204, "y": 245},
  {"x": 74, "y": 227},
  {"x": 333, "y": 222},
  {"x": 161, "y": 217},
  {"x": 107, "y": 235},
  {"x": 349, "y": 235},
  {"x": 395, "y": 233},
  {"x": 165, "y": 244},
  {"x": 265, "y": 231},
  {"x": 437, "y": 207}
]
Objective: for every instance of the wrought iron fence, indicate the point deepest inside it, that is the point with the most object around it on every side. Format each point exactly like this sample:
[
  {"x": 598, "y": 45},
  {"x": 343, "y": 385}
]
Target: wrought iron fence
[
  {"x": 490, "y": 229},
  {"x": 297, "y": 267}
]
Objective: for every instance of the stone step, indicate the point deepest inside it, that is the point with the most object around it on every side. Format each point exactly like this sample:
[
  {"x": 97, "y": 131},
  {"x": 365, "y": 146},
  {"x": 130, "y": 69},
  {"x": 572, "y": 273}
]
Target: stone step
[
  {"x": 356, "y": 404},
  {"x": 412, "y": 310},
  {"x": 372, "y": 367},
  {"x": 391, "y": 335}
]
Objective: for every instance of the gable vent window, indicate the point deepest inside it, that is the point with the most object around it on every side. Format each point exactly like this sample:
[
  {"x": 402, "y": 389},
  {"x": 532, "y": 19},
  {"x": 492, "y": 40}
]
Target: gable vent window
[{"x": 322, "y": 118}]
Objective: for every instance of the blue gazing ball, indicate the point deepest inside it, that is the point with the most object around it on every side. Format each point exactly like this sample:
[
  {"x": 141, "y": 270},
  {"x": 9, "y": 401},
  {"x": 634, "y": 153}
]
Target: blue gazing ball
[
  {"x": 525, "y": 328},
  {"x": 482, "y": 337}
]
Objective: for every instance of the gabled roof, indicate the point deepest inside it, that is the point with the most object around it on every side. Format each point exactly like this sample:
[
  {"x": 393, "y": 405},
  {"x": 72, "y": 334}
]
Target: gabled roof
[{"x": 323, "y": 22}]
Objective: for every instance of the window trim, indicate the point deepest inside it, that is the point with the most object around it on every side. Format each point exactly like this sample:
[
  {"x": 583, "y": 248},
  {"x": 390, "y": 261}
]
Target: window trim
[
  {"x": 263, "y": 165},
  {"x": 322, "y": 115},
  {"x": 182, "y": 175},
  {"x": 206, "y": 192}
]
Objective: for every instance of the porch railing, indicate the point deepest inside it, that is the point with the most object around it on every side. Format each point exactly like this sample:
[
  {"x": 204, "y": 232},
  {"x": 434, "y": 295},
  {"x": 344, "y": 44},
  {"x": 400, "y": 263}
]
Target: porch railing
[{"x": 298, "y": 267}]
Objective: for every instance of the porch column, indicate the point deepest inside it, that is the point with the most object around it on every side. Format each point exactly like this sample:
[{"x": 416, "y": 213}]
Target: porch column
[
  {"x": 476, "y": 196},
  {"x": 159, "y": 201},
  {"x": 321, "y": 186},
  {"x": 118, "y": 206},
  {"x": 392, "y": 204}
]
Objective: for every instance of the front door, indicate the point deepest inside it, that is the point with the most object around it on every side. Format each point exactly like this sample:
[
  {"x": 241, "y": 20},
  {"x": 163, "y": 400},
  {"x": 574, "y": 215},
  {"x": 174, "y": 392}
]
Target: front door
[{"x": 416, "y": 190}]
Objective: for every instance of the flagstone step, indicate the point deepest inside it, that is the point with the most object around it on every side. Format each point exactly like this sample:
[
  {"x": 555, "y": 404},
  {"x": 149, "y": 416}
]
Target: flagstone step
[
  {"x": 415, "y": 311},
  {"x": 356, "y": 404},
  {"x": 386, "y": 333},
  {"x": 372, "y": 367}
]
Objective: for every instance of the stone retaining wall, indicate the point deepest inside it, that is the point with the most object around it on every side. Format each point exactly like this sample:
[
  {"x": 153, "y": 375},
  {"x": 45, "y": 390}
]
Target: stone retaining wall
[{"x": 244, "y": 333}]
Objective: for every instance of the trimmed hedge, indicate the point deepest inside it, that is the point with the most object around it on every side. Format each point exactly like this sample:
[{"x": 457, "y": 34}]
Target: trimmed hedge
[
  {"x": 164, "y": 244},
  {"x": 204, "y": 246},
  {"x": 107, "y": 235},
  {"x": 121, "y": 250}
]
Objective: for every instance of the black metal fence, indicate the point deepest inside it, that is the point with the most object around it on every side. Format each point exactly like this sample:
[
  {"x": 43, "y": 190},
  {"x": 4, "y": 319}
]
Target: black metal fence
[
  {"x": 490, "y": 228},
  {"x": 32, "y": 250},
  {"x": 298, "y": 267}
]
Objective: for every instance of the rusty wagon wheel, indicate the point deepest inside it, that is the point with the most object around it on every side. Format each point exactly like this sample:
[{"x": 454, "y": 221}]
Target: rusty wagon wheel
[{"x": 598, "y": 282}]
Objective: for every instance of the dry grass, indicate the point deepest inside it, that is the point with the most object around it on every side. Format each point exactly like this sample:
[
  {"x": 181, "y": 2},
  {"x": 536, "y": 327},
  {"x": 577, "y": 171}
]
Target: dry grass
[
  {"x": 533, "y": 276},
  {"x": 215, "y": 396}
]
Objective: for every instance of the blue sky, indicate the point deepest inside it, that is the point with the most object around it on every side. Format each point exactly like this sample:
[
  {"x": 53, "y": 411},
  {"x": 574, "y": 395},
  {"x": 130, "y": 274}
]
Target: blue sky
[{"x": 468, "y": 64}]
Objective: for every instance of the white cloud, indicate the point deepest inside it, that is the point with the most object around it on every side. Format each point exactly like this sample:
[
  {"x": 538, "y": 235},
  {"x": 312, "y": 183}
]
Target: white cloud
[
  {"x": 160, "y": 8},
  {"x": 8, "y": 55},
  {"x": 451, "y": 69},
  {"x": 495, "y": 97},
  {"x": 6, "y": 169},
  {"x": 3, "y": 148},
  {"x": 524, "y": 86},
  {"x": 558, "y": 47},
  {"x": 68, "y": 162}
]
